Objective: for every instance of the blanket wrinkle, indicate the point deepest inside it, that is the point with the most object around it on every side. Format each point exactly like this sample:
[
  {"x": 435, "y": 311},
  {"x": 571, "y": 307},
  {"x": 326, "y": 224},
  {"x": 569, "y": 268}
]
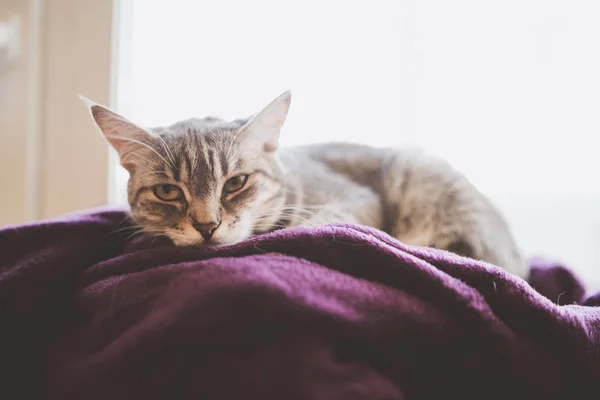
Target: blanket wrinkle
[{"x": 333, "y": 312}]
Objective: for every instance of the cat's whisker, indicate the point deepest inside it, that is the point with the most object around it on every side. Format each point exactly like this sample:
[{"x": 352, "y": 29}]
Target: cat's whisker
[
  {"x": 127, "y": 139},
  {"x": 304, "y": 207},
  {"x": 298, "y": 213},
  {"x": 126, "y": 229},
  {"x": 233, "y": 139},
  {"x": 314, "y": 206},
  {"x": 237, "y": 152},
  {"x": 290, "y": 191},
  {"x": 260, "y": 221},
  {"x": 166, "y": 147},
  {"x": 305, "y": 210},
  {"x": 304, "y": 219},
  {"x": 134, "y": 235},
  {"x": 257, "y": 229},
  {"x": 294, "y": 212}
]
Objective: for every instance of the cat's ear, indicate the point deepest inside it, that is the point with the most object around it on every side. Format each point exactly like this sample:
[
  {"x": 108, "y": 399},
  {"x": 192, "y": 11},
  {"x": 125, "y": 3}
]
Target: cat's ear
[
  {"x": 125, "y": 136},
  {"x": 264, "y": 128}
]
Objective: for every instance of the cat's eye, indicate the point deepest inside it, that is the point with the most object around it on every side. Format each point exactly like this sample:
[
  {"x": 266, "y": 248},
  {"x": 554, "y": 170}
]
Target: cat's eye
[
  {"x": 235, "y": 183},
  {"x": 167, "y": 192}
]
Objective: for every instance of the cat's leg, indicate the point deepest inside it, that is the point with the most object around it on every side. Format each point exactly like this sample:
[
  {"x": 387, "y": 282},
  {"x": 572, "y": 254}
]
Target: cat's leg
[
  {"x": 461, "y": 236},
  {"x": 489, "y": 244},
  {"x": 429, "y": 204},
  {"x": 459, "y": 244},
  {"x": 424, "y": 230},
  {"x": 480, "y": 236}
]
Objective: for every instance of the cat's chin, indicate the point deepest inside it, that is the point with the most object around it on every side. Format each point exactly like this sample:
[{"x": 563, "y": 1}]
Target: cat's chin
[
  {"x": 194, "y": 243},
  {"x": 191, "y": 238},
  {"x": 179, "y": 242}
]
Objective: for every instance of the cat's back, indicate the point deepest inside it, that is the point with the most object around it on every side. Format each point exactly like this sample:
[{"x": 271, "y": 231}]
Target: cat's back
[
  {"x": 424, "y": 200},
  {"x": 369, "y": 165},
  {"x": 362, "y": 164}
]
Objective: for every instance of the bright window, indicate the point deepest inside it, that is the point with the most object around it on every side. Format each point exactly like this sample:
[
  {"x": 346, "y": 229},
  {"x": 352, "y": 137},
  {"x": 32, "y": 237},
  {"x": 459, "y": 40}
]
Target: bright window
[{"x": 506, "y": 91}]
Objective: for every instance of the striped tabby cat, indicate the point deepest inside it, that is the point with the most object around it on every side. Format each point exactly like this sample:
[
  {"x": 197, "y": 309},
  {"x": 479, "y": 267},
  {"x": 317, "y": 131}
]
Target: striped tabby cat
[{"x": 210, "y": 181}]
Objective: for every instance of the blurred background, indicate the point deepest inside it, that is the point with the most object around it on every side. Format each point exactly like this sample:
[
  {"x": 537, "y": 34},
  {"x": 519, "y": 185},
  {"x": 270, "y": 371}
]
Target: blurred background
[{"x": 509, "y": 92}]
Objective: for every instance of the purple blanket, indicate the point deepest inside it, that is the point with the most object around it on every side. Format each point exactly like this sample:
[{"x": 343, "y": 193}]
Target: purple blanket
[{"x": 337, "y": 312}]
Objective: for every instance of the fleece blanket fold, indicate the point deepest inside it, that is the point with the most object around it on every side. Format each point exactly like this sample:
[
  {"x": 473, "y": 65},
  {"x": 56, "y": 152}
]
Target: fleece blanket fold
[{"x": 332, "y": 312}]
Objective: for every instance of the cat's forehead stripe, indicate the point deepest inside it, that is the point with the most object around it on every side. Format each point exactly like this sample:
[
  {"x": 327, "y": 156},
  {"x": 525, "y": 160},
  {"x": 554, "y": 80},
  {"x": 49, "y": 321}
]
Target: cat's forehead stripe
[
  {"x": 204, "y": 173},
  {"x": 185, "y": 167},
  {"x": 211, "y": 162},
  {"x": 175, "y": 172},
  {"x": 192, "y": 153},
  {"x": 169, "y": 171},
  {"x": 224, "y": 165}
]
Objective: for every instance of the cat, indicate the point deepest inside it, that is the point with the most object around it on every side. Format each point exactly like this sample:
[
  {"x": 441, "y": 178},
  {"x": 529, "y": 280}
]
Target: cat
[{"x": 209, "y": 181}]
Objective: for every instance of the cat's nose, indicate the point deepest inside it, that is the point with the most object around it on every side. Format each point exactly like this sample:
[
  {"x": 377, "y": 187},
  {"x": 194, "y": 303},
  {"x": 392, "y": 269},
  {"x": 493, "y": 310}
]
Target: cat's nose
[{"x": 206, "y": 229}]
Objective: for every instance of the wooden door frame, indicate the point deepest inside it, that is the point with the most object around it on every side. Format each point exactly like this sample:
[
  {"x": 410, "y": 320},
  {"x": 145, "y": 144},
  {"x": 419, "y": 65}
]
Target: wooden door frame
[{"x": 78, "y": 56}]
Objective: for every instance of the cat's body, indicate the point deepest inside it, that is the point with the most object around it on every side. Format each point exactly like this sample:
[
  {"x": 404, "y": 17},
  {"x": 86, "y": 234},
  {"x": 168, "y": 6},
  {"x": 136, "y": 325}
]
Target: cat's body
[
  {"x": 418, "y": 199},
  {"x": 208, "y": 181}
]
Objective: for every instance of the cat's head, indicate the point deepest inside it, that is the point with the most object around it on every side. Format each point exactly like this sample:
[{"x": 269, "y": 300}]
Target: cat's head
[{"x": 201, "y": 181}]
